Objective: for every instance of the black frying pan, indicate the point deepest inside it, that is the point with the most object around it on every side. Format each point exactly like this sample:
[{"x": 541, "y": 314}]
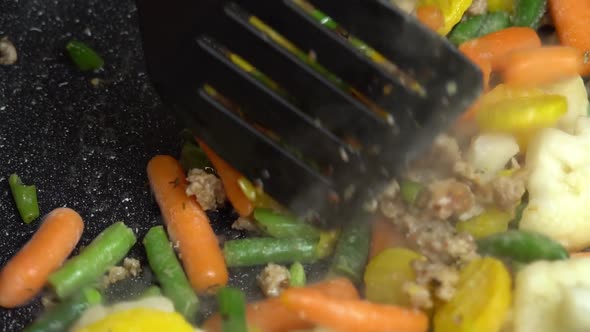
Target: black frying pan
[{"x": 84, "y": 147}]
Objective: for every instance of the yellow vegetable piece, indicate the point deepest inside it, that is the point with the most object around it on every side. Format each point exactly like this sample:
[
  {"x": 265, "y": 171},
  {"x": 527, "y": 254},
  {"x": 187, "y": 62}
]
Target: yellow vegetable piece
[
  {"x": 520, "y": 112},
  {"x": 387, "y": 272},
  {"x": 140, "y": 319},
  {"x": 257, "y": 196},
  {"x": 489, "y": 222},
  {"x": 482, "y": 300},
  {"x": 452, "y": 10},
  {"x": 500, "y": 5}
]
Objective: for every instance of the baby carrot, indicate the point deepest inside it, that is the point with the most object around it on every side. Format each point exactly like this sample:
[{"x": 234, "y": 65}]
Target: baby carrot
[
  {"x": 352, "y": 315},
  {"x": 497, "y": 44},
  {"x": 543, "y": 65},
  {"x": 188, "y": 225},
  {"x": 431, "y": 16},
  {"x": 283, "y": 319},
  {"x": 229, "y": 177},
  {"x": 27, "y": 272},
  {"x": 570, "y": 18}
]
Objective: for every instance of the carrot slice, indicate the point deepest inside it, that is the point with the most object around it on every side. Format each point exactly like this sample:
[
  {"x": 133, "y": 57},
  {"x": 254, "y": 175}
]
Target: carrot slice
[
  {"x": 270, "y": 315},
  {"x": 385, "y": 235},
  {"x": 352, "y": 315},
  {"x": 570, "y": 18},
  {"x": 431, "y": 16},
  {"x": 229, "y": 177},
  {"x": 497, "y": 44},
  {"x": 188, "y": 225},
  {"x": 26, "y": 273},
  {"x": 543, "y": 65}
]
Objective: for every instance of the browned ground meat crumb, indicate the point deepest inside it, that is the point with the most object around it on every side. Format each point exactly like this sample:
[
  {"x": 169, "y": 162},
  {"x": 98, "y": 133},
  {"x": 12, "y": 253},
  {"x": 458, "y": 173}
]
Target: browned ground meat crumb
[
  {"x": 447, "y": 198},
  {"x": 273, "y": 279},
  {"x": 432, "y": 275},
  {"x": 131, "y": 268},
  {"x": 478, "y": 7},
  {"x": 437, "y": 163},
  {"x": 245, "y": 224},
  {"x": 207, "y": 188},
  {"x": 508, "y": 190},
  {"x": 8, "y": 55}
]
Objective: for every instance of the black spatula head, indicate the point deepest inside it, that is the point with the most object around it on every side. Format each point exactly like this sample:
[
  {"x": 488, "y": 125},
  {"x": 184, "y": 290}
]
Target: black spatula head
[{"x": 320, "y": 102}]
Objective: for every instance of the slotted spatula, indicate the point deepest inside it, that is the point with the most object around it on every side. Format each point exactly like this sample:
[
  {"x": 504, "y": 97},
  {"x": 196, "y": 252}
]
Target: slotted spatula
[{"x": 319, "y": 101}]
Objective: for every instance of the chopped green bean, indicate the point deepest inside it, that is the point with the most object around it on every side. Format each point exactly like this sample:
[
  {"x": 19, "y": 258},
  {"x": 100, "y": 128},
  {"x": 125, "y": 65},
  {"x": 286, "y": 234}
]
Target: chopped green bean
[
  {"x": 83, "y": 56},
  {"x": 108, "y": 248},
  {"x": 528, "y": 13},
  {"x": 25, "y": 198},
  {"x": 151, "y": 291},
  {"x": 169, "y": 272},
  {"x": 352, "y": 250},
  {"x": 297, "y": 275},
  {"x": 479, "y": 25},
  {"x": 264, "y": 250},
  {"x": 192, "y": 156},
  {"x": 410, "y": 191},
  {"x": 521, "y": 246},
  {"x": 280, "y": 225},
  {"x": 63, "y": 315},
  {"x": 232, "y": 308}
]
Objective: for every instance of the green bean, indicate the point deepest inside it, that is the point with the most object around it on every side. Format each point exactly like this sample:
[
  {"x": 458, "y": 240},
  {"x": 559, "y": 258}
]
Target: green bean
[
  {"x": 280, "y": 225},
  {"x": 352, "y": 250},
  {"x": 518, "y": 213},
  {"x": 410, "y": 191},
  {"x": 528, "y": 13},
  {"x": 192, "y": 156},
  {"x": 59, "y": 318},
  {"x": 264, "y": 250},
  {"x": 232, "y": 308},
  {"x": 151, "y": 291},
  {"x": 25, "y": 198},
  {"x": 169, "y": 272},
  {"x": 479, "y": 25},
  {"x": 106, "y": 250},
  {"x": 83, "y": 56},
  {"x": 297, "y": 275},
  {"x": 521, "y": 246}
]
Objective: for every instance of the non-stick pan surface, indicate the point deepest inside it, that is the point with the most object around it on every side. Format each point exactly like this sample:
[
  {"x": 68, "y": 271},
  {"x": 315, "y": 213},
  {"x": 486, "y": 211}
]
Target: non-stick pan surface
[{"x": 84, "y": 146}]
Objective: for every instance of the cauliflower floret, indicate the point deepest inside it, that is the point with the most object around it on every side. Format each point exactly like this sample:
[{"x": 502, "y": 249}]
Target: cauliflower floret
[
  {"x": 489, "y": 153},
  {"x": 574, "y": 91},
  {"x": 551, "y": 296},
  {"x": 559, "y": 186}
]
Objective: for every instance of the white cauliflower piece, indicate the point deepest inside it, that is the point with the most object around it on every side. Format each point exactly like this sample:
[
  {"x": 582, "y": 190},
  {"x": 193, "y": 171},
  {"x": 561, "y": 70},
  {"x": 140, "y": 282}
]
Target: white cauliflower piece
[
  {"x": 553, "y": 296},
  {"x": 559, "y": 185},
  {"x": 489, "y": 153},
  {"x": 574, "y": 91}
]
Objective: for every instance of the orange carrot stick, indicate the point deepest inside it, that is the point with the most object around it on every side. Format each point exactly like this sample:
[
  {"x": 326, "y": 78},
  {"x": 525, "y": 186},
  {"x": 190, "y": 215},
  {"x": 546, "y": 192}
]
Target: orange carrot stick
[
  {"x": 352, "y": 315},
  {"x": 543, "y": 65},
  {"x": 270, "y": 315},
  {"x": 497, "y": 44},
  {"x": 385, "y": 235},
  {"x": 579, "y": 254},
  {"x": 570, "y": 18},
  {"x": 187, "y": 225},
  {"x": 431, "y": 16},
  {"x": 26, "y": 273},
  {"x": 229, "y": 177}
]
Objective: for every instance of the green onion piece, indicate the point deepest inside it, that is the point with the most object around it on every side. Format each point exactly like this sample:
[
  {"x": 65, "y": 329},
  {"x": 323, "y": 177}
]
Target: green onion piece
[
  {"x": 25, "y": 198},
  {"x": 83, "y": 56}
]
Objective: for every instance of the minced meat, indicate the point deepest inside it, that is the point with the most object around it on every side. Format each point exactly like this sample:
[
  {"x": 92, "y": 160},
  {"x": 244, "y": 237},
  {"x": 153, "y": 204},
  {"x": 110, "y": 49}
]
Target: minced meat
[
  {"x": 131, "y": 268},
  {"x": 207, "y": 189},
  {"x": 478, "y": 7},
  {"x": 273, "y": 279},
  {"x": 431, "y": 275},
  {"x": 8, "y": 55},
  {"x": 447, "y": 198},
  {"x": 508, "y": 190}
]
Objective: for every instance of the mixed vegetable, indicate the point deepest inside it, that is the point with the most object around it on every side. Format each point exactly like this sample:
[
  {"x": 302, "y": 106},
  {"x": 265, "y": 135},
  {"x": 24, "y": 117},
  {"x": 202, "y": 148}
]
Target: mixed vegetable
[{"x": 485, "y": 232}]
